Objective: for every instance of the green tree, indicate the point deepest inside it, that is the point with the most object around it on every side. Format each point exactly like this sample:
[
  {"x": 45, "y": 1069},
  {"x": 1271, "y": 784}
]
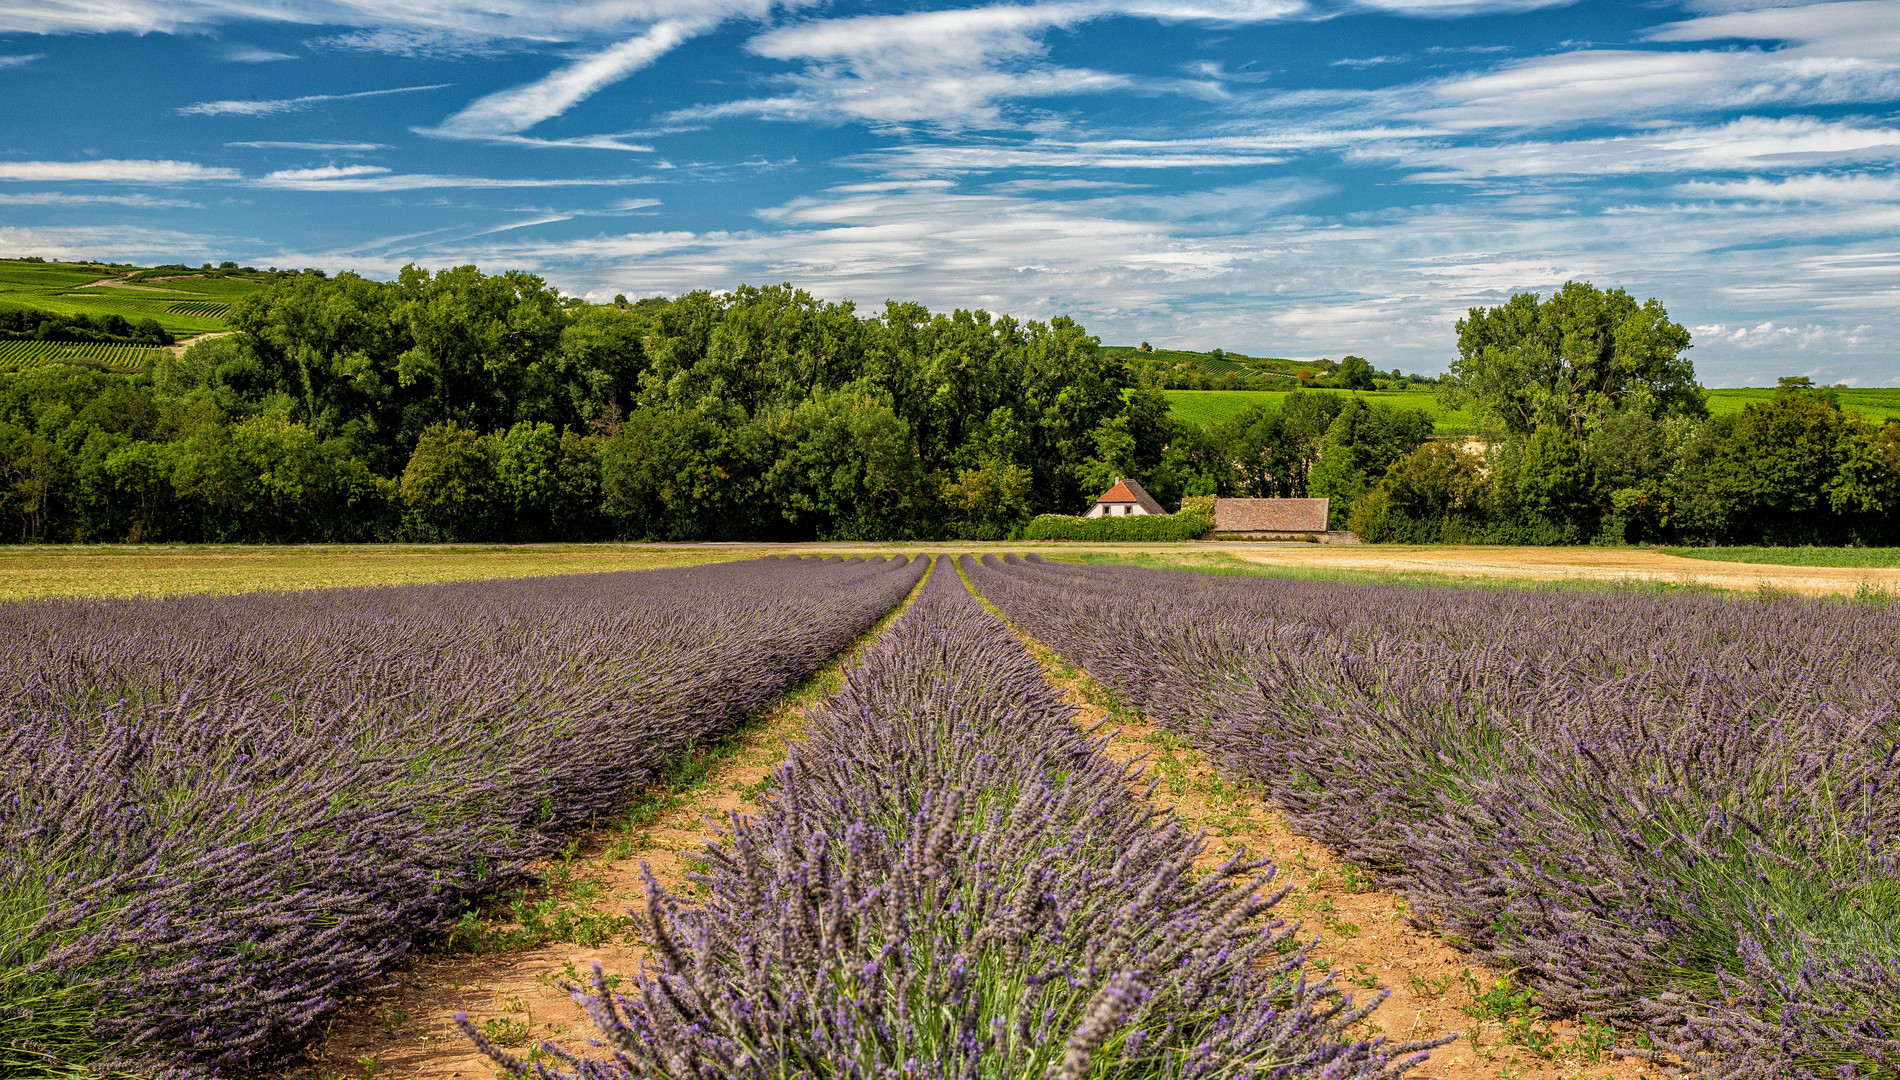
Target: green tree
[
  {"x": 450, "y": 485},
  {"x": 846, "y": 471},
  {"x": 1355, "y": 373},
  {"x": 1359, "y": 446},
  {"x": 1438, "y": 493},
  {"x": 1546, "y": 487},
  {"x": 666, "y": 475},
  {"x": 988, "y": 502},
  {"x": 1275, "y": 448},
  {"x": 1792, "y": 470},
  {"x": 1571, "y": 360}
]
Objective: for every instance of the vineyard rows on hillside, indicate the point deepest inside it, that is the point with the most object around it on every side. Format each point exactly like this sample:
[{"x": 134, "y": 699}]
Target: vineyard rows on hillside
[{"x": 18, "y": 355}]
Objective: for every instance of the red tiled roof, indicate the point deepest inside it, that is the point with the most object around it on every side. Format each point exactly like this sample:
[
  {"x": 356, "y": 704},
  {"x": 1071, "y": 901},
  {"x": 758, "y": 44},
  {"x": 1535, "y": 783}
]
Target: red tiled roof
[
  {"x": 1270, "y": 515},
  {"x": 1131, "y": 491}
]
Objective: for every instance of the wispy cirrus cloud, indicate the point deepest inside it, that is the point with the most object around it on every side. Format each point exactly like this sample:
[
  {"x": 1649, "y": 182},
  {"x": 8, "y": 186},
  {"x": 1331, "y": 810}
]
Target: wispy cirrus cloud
[
  {"x": 252, "y": 54},
  {"x": 16, "y": 61},
  {"x": 291, "y": 144},
  {"x": 115, "y": 170},
  {"x": 378, "y": 178},
  {"x": 275, "y": 106},
  {"x": 66, "y": 198},
  {"x": 1748, "y": 144},
  {"x": 507, "y": 113}
]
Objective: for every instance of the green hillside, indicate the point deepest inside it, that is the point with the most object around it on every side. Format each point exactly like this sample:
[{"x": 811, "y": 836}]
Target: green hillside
[
  {"x": 1208, "y": 406},
  {"x": 184, "y": 302},
  {"x": 1211, "y": 406},
  {"x": 1876, "y": 405}
]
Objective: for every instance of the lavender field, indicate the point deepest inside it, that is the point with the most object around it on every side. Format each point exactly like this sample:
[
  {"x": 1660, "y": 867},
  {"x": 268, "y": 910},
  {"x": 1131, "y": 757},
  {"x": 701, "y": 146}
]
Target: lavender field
[
  {"x": 953, "y": 881},
  {"x": 1674, "y": 814},
  {"x": 223, "y": 814}
]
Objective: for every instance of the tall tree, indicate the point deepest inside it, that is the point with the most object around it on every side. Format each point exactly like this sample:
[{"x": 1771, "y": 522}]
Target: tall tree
[{"x": 1571, "y": 360}]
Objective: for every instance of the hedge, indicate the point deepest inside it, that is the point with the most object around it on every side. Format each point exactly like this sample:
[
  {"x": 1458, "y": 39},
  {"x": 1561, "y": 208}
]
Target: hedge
[{"x": 1187, "y": 525}]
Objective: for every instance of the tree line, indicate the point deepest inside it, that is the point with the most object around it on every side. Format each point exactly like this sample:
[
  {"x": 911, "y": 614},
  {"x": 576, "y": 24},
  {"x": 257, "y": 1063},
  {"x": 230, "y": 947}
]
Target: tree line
[
  {"x": 33, "y": 324},
  {"x": 458, "y": 405}
]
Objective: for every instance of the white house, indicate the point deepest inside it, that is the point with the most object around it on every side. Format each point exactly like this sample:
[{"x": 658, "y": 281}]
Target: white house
[{"x": 1124, "y": 499}]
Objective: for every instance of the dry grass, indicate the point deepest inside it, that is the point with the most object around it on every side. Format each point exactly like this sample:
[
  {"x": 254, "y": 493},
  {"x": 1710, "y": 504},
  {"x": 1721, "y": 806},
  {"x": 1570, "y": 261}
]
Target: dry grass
[{"x": 30, "y": 573}]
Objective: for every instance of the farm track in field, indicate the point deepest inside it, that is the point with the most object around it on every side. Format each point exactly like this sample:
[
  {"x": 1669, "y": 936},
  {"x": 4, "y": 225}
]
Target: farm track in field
[
  {"x": 1364, "y": 937},
  {"x": 407, "y": 1028}
]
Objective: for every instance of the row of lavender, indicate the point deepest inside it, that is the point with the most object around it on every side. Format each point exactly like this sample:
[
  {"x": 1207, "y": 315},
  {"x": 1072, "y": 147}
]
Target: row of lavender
[
  {"x": 952, "y": 880},
  {"x": 1675, "y": 812},
  {"x": 222, "y": 814}
]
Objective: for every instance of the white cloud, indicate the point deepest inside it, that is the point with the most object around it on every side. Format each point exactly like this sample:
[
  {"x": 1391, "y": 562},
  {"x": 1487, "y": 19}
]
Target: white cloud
[
  {"x": 251, "y": 54},
  {"x": 1745, "y": 144},
  {"x": 413, "y": 43},
  {"x": 1827, "y": 188},
  {"x": 1828, "y": 53},
  {"x": 377, "y": 178},
  {"x": 340, "y": 147},
  {"x": 15, "y": 61},
  {"x": 116, "y": 241},
  {"x": 510, "y": 112},
  {"x": 467, "y": 20},
  {"x": 114, "y": 170},
  {"x": 62, "y": 198},
  {"x": 956, "y": 68},
  {"x": 285, "y": 105}
]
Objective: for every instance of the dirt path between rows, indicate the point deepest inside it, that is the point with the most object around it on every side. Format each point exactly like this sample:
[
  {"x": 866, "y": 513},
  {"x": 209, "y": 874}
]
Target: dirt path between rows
[
  {"x": 1571, "y": 564},
  {"x": 1364, "y": 938},
  {"x": 407, "y": 1028}
]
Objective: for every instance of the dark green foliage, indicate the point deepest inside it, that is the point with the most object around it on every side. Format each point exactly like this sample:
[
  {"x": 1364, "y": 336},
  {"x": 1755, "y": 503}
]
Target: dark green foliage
[
  {"x": 1141, "y": 528},
  {"x": 456, "y": 405},
  {"x": 36, "y": 325},
  {"x": 1435, "y": 494},
  {"x": 1354, "y": 373},
  {"x": 1360, "y": 444},
  {"x": 1583, "y": 354}
]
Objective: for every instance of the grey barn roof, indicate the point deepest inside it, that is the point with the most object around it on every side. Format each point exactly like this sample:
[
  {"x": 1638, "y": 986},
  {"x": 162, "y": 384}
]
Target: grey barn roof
[{"x": 1270, "y": 515}]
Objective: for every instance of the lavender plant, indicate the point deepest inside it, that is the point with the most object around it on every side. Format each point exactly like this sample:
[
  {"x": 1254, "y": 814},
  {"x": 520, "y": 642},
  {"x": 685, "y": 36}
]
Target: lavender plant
[
  {"x": 952, "y": 880},
  {"x": 1675, "y": 813},
  {"x": 223, "y": 814}
]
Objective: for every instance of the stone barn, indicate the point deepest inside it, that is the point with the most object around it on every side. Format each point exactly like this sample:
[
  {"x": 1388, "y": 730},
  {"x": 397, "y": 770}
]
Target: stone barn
[{"x": 1269, "y": 519}]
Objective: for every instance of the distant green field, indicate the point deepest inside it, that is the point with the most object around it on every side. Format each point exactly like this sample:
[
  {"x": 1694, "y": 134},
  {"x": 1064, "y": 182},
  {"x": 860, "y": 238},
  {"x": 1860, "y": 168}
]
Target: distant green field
[
  {"x": 20, "y": 355},
  {"x": 1794, "y": 556},
  {"x": 1205, "y": 406},
  {"x": 1220, "y": 406},
  {"x": 1877, "y": 405},
  {"x": 184, "y": 306}
]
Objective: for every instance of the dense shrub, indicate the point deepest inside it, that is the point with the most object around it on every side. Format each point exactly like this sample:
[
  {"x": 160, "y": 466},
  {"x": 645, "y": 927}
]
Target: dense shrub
[{"x": 1186, "y": 525}]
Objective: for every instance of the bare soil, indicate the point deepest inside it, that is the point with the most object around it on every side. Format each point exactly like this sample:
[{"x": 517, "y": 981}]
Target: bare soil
[
  {"x": 407, "y": 1028},
  {"x": 1363, "y": 937}
]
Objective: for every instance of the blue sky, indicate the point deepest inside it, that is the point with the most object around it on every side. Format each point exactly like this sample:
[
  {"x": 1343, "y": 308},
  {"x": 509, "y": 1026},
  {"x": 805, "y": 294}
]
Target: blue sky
[{"x": 1287, "y": 177}]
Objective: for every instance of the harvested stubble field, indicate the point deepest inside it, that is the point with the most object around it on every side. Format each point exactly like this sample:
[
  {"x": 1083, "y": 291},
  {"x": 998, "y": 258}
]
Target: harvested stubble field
[
  {"x": 128, "y": 570},
  {"x": 937, "y": 868}
]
